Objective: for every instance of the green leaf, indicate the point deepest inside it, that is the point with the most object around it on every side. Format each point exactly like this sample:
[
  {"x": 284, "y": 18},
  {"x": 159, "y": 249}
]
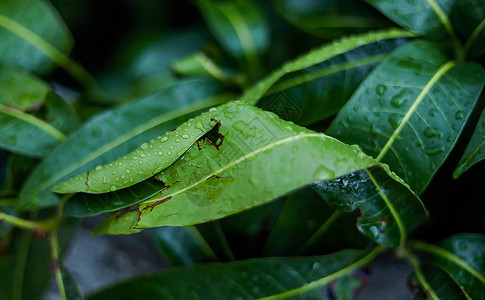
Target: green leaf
[
  {"x": 424, "y": 17},
  {"x": 441, "y": 284},
  {"x": 183, "y": 245},
  {"x": 115, "y": 133},
  {"x": 462, "y": 257},
  {"x": 84, "y": 205},
  {"x": 199, "y": 64},
  {"x": 32, "y": 34},
  {"x": 25, "y": 134},
  {"x": 469, "y": 19},
  {"x": 387, "y": 212},
  {"x": 238, "y": 167},
  {"x": 24, "y": 271},
  {"x": 475, "y": 151},
  {"x": 306, "y": 224},
  {"x": 21, "y": 89},
  {"x": 70, "y": 288},
  {"x": 264, "y": 278},
  {"x": 330, "y": 19},
  {"x": 319, "y": 91},
  {"x": 318, "y": 56},
  {"x": 240, "y": 28},
  {"x": 411, "y": 110}
]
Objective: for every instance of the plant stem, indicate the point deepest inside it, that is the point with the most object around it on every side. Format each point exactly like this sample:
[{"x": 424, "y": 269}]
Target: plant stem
[
  {"x": 414, "y": 261},
  {"x": 25, "y": 224},
  {"x": 57, "y": 266}
]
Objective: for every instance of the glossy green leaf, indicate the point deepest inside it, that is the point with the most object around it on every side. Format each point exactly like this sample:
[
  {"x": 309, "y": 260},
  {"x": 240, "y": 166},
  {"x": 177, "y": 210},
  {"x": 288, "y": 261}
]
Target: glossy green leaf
[
  {"x": 425, "y": 17},
  {"x": 84, "y": 205},
  {"x": 237, "y": 170},
  {"x": 469, "y": 20},
  {"x": 146, "y": 161},
  {"x": 462, "y": 257},
  {"x": 31, "y": 32},
  {"x": 115, "y": 133},
  {"x": 475, "y": 151},
  {"x": 331, "y": 19},
  {"x": 21, "y": 89},
  {"x": 317, "y": 56},
  {"x": 264, "y": 278},
  {"x": 183, "y": 245},
  {"x": 319, "y": 91},
  {"x": 411, "y": 110},
  {"x": 239, "y": 26}
]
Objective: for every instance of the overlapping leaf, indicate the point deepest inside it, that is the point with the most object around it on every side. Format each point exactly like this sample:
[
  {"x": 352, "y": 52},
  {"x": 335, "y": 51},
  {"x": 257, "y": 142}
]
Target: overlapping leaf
[
  {"x": 426, "y": 17},
  {"x": 32, "y": 136},
  {"x": 330, "y": 19},
  {"x": 21, "y": 90},
  {"x": 115, "y": 133},
  {"x": 240, "y": 167},
  {"x": 30, "y": 29},
  {"x": 424, "y": 99},
  {"x": 461, "y": 257},
  {"x": 317, "y": 92},
  {"x": 265, "y": 278},
  {"x": 318, "y": 56}
]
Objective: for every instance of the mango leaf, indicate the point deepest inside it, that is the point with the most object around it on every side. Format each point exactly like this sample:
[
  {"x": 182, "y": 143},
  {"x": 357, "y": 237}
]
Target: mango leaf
[
  {"x": 469, "y": 20},
  {"x": 240, "y": 28},
  {"x": 71, "y": 291},
  {"x": 199, "y": 64},
  {"x": 462, "y": 257},
  {"x": 233, "y": 169},
  {"x": 24, "y": 270},
  {"x": 475, "y": 151},
  {"x": 146, "y": 161},
  {"x": 183, "y": 245},
  {"x": 115, "y": 133},
  {"x": 424, "y": 17},
  {"x": 21, "y": 90},
  {"x": 425, "y": 100},
  {"x": 317, "y": 56},
  {"x": 306, "y": 224},
  {"x": 263, "y": 278},
  {"x": 60, "y": 114},
  {"x": 25, "y": 134},
  {"x": 84, "y": 205},
  {"x": 319, "y": 91},
  {"x": 441, "y": 285},
  {"x": 330, "y": 19},
  {"x": 32, "y": 33}
]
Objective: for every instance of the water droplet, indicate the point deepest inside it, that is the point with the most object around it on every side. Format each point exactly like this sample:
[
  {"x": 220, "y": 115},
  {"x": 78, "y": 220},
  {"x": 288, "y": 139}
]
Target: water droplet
[
  {"x": 169, "y": 152},
  {"x": 142, "y": 155},
  {"x": 432, "y": 112},
  {"x": 395, "y": 120},
  {"x": 434, "y": 150},
  {"x": 380, "y": 89},
  {"x": 144, "y": 146},
  {"x": 322, "y": 173},
  {"x": 99, "y": 168},
  {"x": 459, "y": 115},
  {"x": 105, "y": 179},
  {"x": 113, "y": 188},
  {"x": 164, "y": 139},
  {"x": 128, "y": 171},
  {"x": 177, "y": 140},
  {"x": 185, "y": 136},
  {"x": 430, "y": 133},
  {"x": 160, "y": 153}
]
